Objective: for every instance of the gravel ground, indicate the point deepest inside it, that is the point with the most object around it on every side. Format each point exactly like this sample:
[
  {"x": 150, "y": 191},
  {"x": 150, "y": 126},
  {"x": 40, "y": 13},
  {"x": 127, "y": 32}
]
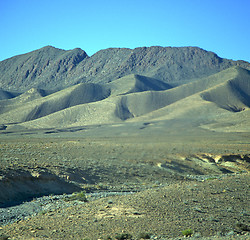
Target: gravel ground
[
  {"x": 47, "y": 204},
  {"x": 211, "y": 208},
  {"x": 175, "y": 189},
  {"x": 51, "y": 203}
]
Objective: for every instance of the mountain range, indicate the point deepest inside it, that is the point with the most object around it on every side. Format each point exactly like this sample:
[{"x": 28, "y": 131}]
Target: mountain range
[{"x": 54, "y": 88}]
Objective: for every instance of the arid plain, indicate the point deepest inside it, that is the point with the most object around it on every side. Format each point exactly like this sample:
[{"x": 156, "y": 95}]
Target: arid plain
[
  {"x": 166, "y": 132},
  {"x": 197, "y": 180}
]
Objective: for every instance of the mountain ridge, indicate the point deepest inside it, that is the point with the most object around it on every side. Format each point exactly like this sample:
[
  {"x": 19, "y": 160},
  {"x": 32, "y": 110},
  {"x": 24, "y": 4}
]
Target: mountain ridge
[
  {"x": 220, "y": 97},
  {"x": 52, "y": 68},
  {"x": 152, "y": 85}
]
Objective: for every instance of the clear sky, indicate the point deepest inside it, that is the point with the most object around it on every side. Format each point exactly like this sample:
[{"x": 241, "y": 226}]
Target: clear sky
[{"x": 221, "y": 26}]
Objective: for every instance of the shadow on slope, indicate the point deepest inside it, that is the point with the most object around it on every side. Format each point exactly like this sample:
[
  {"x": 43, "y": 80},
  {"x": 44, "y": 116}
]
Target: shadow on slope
[
  {"x": 139, "y": 104},
  {"x": 18, "y": 100},
  {"x": 227, "y": 110},
  {"x": 42, "y": 106},
  {"x": 7, "y": 95},
  {"x": 233, "y": 95},
  {"x": 36, "y": 103},
  {"x": 183, "y": 102},
  {"x": 19, "y": 185},
  {"x": 136, "y": 83}
]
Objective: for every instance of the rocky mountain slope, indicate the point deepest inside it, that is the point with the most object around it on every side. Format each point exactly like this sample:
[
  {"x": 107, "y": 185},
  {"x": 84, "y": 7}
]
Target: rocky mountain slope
[
  {"x": 46, "y": 67},
  {"x": 52, "y": 68}
]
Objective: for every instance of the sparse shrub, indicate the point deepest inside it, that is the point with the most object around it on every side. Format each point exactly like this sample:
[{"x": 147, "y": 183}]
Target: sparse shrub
[
  {"x": 211, "y": 178},
  {"x": 101, "y": 186},
  {"x": 79, "y": 196},
  {"x": 144, "y": 236},
  {"x": 187, "y": 232},
  {"x": 108, "y": 238},
  {"x": 2, "y": 127},
  {"x": 3, "y": 237},
  {"x": 123, "y": 236},
  {"x": 42, "y": 212}
]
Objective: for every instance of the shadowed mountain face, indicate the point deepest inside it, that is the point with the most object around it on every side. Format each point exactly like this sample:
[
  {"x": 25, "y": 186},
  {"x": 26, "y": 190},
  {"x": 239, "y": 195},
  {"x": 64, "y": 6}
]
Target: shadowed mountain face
[
  {"x": 52, "y": 68},
  {"x": 118, "y": 86}
]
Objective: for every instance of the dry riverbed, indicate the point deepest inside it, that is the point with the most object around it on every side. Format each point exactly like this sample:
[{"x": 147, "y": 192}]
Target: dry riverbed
[{"x": 133, "y": 187}]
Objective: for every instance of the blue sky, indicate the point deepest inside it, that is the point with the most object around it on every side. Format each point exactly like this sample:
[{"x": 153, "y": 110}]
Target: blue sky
[{"x": 221, "y": 26}]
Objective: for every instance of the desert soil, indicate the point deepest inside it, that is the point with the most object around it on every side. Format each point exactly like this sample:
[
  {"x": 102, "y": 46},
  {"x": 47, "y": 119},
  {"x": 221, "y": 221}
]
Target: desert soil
[{"x": 174, "y": 184}]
